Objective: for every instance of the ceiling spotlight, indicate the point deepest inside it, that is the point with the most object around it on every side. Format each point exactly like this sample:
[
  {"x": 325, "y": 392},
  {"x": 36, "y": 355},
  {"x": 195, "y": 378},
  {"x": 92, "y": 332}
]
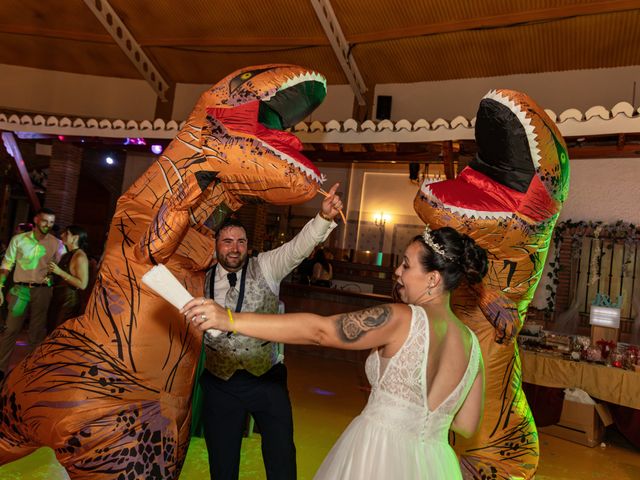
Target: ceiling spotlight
[
  {"x": 156, "y": 149},
  {"x": 109, "y": 161}
]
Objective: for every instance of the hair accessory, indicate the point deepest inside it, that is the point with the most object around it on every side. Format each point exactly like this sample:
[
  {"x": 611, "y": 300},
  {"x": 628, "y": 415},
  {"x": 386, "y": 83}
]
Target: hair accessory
[{"x": 436, "y": 247}]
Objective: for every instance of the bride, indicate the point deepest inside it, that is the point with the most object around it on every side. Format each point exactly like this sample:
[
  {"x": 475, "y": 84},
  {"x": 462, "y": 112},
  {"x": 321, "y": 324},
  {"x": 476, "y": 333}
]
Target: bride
[{"x": 425, "y": 367}]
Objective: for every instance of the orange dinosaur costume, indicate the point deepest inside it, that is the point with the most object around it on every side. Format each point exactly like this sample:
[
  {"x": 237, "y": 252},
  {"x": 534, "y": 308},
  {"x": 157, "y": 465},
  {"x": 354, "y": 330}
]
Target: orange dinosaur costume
[
  {"x": 508, "y": 200},
  {"x": 110, "y": 391}
]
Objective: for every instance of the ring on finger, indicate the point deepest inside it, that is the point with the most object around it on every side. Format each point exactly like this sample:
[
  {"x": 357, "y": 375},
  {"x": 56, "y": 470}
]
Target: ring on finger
[{"x": 203, "y": 317}]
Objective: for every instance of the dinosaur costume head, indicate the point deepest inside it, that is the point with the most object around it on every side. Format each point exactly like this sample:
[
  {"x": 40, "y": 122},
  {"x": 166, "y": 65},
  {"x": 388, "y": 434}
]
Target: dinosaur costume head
[
  {"x": 110, "y": 391},
  {"x": 508, "y": 200},
  {"x": 521, "y": 169},
  {"x": 235, "y": 137}
]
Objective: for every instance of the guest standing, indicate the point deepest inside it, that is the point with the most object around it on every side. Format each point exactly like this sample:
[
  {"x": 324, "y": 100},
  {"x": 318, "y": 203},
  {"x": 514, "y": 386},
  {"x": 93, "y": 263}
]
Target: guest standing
[
  {"x": 29, "y": 253},
  {"x": 71, "y": 277},
  {"x": 322, "y": 270}
]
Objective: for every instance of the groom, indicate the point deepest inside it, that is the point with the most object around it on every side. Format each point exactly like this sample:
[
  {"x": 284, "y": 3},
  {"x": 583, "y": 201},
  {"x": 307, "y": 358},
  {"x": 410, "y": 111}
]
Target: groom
[{"x": 245, "y": 375}]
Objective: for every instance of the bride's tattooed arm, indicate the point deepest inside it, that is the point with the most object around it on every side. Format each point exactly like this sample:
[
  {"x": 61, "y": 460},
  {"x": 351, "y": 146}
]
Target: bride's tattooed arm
[{"x": 354, "y": 325}]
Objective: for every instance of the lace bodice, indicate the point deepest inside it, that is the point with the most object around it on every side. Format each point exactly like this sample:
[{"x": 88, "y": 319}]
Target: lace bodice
[{"x": 398, "y": 397}]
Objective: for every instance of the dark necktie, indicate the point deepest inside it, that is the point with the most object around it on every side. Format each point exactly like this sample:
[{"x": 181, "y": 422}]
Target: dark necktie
[{"x": 233, "y": 279}]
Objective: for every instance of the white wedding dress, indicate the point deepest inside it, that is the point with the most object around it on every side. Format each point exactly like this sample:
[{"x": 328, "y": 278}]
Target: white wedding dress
[{"x": 397, "y": 437}]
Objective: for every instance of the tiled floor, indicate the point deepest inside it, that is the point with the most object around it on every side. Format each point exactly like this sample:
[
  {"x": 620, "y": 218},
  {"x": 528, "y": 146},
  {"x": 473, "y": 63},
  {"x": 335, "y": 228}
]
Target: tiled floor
[{"x": 326, "y": 396}]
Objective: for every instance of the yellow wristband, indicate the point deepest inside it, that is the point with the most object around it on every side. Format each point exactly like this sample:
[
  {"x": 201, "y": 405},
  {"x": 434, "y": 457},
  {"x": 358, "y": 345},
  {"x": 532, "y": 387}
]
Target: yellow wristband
[{"x": 231, "y": 320}]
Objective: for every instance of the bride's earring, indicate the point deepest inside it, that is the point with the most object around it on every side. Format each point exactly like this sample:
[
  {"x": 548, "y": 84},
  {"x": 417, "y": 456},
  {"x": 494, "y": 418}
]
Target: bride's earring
[{"x": 429, "y": 290}]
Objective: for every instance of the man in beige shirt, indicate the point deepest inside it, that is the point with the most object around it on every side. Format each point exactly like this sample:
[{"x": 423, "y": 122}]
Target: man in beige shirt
[{"x": 29, "y": 253}]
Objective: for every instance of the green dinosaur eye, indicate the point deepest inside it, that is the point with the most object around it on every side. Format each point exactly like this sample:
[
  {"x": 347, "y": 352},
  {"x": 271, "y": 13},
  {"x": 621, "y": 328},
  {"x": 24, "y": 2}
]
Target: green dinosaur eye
[{"x": 245, "y": 76}]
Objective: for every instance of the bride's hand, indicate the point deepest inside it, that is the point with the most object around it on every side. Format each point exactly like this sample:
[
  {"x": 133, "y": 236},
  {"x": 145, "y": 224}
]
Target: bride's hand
[{"x": 204, "y": 314}]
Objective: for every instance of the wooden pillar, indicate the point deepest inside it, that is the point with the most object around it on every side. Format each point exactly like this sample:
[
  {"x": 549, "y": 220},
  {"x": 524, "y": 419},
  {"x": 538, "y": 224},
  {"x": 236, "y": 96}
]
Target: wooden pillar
[
  {"x": 260, "y": 227},
  {"x": 563, "y": 289},
  {"x": 164, "y": 110},
  {"x": 62, "y": 182},
  {"x": 447, "y": 157},
  {"x": 283, "y": 225},
  {"x": 364, "y": 112}
]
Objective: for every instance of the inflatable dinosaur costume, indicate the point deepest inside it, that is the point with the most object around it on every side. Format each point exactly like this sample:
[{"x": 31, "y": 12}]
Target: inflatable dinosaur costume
[
  {"x": 508, "y": 200},
  {"x": 110, "y": 391}
]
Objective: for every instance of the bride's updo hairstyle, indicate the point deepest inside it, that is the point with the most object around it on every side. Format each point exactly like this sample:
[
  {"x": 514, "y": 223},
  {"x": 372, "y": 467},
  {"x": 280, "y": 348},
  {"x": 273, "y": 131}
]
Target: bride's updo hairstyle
[{"x": 456, "y": 256}]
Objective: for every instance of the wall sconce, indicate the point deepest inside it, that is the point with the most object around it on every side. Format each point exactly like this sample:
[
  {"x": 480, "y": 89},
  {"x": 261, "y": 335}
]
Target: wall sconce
[{"x": 380, "y": 219}]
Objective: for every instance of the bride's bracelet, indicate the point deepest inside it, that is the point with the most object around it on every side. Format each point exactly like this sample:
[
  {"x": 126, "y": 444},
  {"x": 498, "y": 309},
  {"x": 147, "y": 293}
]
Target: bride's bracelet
[{"x": 233, "y": 324}]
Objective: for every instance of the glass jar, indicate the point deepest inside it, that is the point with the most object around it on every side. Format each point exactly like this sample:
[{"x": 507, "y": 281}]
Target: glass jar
[
  {"x": 592, "y": 353},
  {"x": 616, "y": 358},
  {"x": 631, "y": 358}
]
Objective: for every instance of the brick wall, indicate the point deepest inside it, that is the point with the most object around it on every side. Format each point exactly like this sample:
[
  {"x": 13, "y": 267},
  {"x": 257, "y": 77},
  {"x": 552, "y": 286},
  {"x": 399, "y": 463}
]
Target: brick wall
[
  {"x": 62, "y": 182},
  {"x": 254, "y": 218}
]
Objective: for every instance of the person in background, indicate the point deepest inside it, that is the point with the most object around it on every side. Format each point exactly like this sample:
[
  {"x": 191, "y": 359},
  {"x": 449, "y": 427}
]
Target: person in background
[
  {"x": 20, "y": 228},
  {"x": 322, "y": 270},
  {"x": 425, "y": 367},
  {"x": 71, "y": 277},
  {"x": 305, "y": 270},
  {"x": 29, "y": 253}
]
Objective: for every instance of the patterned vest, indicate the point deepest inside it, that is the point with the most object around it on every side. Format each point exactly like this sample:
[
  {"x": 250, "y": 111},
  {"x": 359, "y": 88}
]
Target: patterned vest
[{"x": 230, "y": 352}]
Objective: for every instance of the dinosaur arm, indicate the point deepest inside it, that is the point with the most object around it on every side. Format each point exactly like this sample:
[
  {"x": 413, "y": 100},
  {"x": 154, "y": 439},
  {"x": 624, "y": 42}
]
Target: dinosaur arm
[
  {"x": 171, "y": 223},
  {"x": 500, "y": 311}
]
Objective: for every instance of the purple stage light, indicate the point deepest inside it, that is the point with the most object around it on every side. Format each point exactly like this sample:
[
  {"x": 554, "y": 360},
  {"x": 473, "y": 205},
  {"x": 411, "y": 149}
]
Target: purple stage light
[{"x": 319, "y": 391}]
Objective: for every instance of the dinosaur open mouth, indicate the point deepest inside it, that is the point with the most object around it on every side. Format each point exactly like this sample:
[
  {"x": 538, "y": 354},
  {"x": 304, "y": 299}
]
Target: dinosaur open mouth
[
  {"x": 293, "y": 101},
  {"x": 473, "y": 195},
  {"x": 501, "y": 179},
  {"x": 507, "y": 144},
  {"x": 267, "y": 119}
]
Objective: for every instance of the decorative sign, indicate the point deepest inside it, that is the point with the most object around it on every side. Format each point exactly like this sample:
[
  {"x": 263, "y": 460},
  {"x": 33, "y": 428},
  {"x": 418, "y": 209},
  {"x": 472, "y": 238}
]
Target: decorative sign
[
  {"x": 603, "y": 300},
  {"x": 604, "y": 316}
]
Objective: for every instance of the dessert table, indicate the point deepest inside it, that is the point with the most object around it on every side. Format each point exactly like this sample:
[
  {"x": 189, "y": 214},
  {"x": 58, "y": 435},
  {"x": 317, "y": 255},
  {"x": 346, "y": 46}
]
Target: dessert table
[
  {"x": 613, "y": 385},
  {"x": 545, "y": 376}
]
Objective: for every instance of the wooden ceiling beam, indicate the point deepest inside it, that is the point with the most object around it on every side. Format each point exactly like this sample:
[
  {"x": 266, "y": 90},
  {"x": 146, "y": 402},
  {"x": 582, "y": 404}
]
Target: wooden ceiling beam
[
  {"x": 240, "y": 41},
  {"x": 33, "y": 31},
  {"x": 605, "y": 151},
  {"x": 114, "y": 25},
  {"x": 436, "y": 153},
  {"x": 151, "y": 41},
  {"x": 13, "y": 150},
  {"x": 373, "y": 157},
  {"x": 341, "y": 48},
  {"x": 498, "y": 21}
]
